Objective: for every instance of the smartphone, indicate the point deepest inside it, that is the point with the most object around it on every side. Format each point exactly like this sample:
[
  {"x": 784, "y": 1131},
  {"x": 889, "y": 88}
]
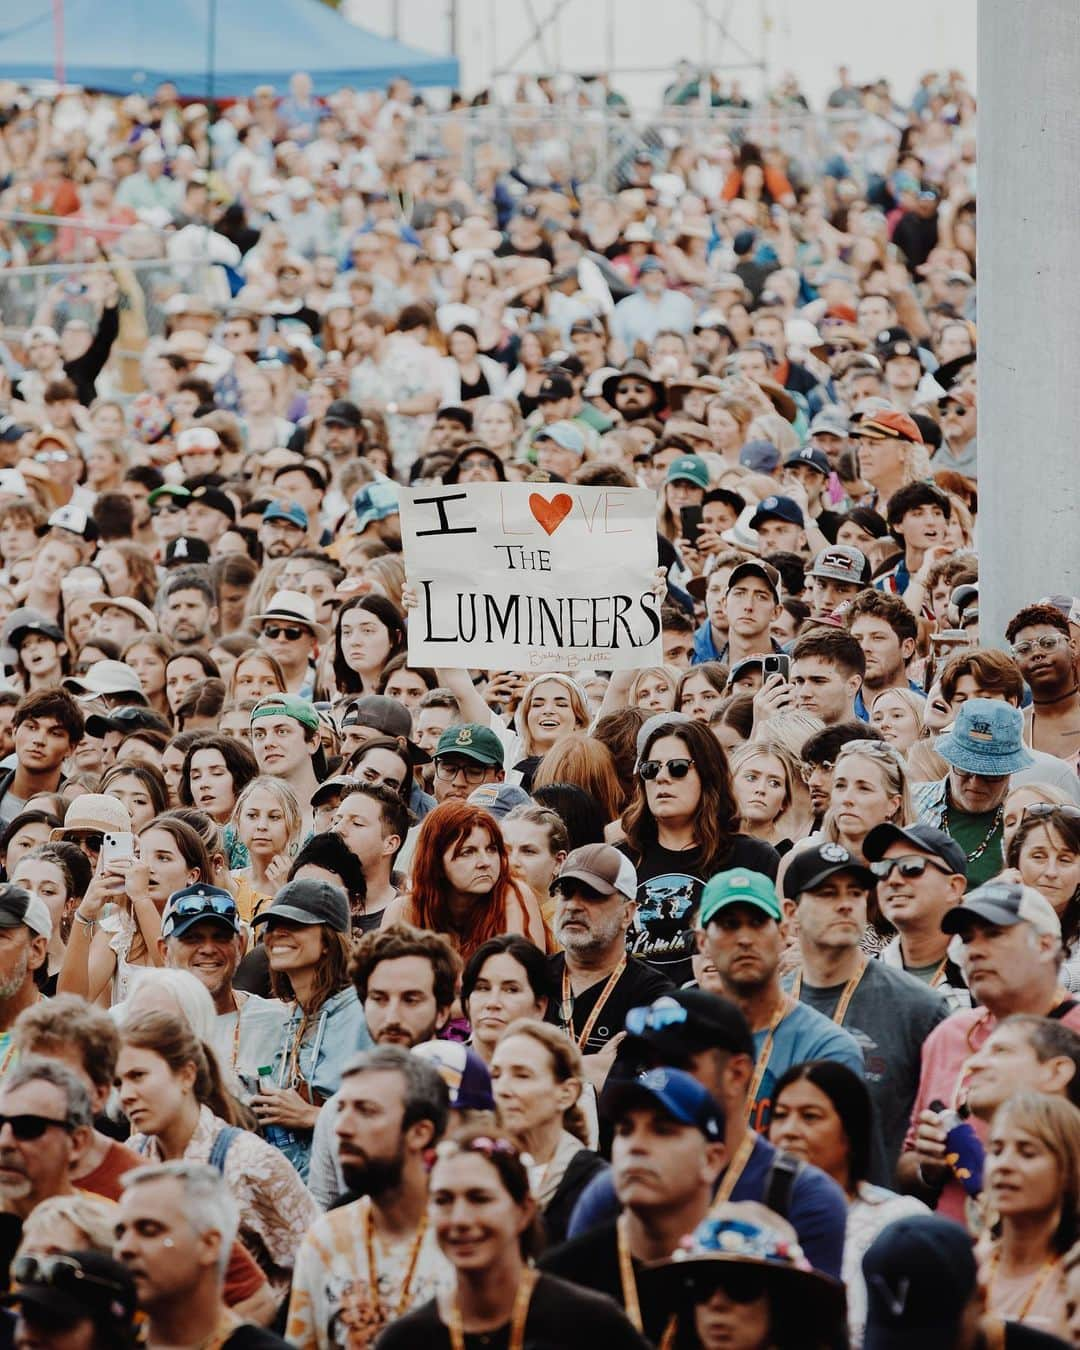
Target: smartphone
[
  {"x": 779, "y": 663},
  {"x": 690, "y": 519},
  {"x": 119, "y": 847}
]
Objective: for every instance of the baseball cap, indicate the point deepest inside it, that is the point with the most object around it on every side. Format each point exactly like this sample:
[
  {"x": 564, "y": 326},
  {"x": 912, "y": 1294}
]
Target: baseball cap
[
  {"x": 498, "y": 799},
  {"x": 215, "y": 499},
  {"x": 924, "y": 838},
  {"x": 465, "y": 1074},
  {"x": 196, "y": 440},
  {"x": 909, "y": 1305},
  {"x": 73, "y": 519},
  {"x": 473, "y": 741},
  {"x": 308, "y": 901},
  {"x": 602, "y": 868},
  {"x": 105, "y": 677},
  {"x": 193, "y": 904},
  {"x": 186, "y": 550},
  {"x": 674, "y": 1091},
  {"x": 564, "y": 434},
  {"x": 168, "y": 490},
  {"x": 738, "y": 887},
  {"x": 286, "y": 705},
  {"x": 20, "y": 622},
  {"x": 812, "y": 457},
  {"x": 63, "y": 1290},
  {"x": 554, "y": 388},
  {"x": 686, "y": 1020},
  {"x": 290, "y": 511},
  {"x": 830, "y": 421},
  {"x": 18, "y": 906},
  {"x": 810, "y": 867},
  {"x": 756, "y": 568},
  {"x": 759, "y": 456},
  {"x": 689, "y": 469},
  {"x": 342, "y": 413},
  {"x": 1004, "y": 903},
  {"x": 131, "y": 717},
  {"x": 777, "y": 508},
  {"x": 888, "y": 424},
  {"x": 840, "y": 562},
  {"x": 374, "y": 502}
]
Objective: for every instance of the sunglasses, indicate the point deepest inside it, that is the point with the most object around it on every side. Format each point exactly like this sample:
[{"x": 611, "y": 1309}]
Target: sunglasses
[
  {"x": 26, "y": 1127},
  {"x": 677, "y": 768},
  {"x": 219, "y": 906},
  {"x": 93, "y": 839},
  {"x": 276, "y": 630},
  {"x": 1046, "y": 810},
  {"x": 910, "y": 865},
  {"x": 1049, "y": 642},
  {"x": 741, "y": 1282},
  {"x": 659, "y": 1016},
  {"x": 60, "y": 1272}
]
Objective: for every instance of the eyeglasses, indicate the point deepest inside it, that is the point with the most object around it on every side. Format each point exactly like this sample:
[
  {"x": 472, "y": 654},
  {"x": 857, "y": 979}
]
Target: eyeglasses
[
  {"x": 911, "y": 865},
  {"x": 473, "y": 774},
  {"x": 1049, "y": 642},
  {"x": 955, "y": 410},
  {"x": 659, "y": 1016},
  {"x": 26, "y": 1127},
  {"x": 677, "y": 768},
  {"x": 277, "y": 630},
  {"x": 61, "y": 1273},
  {"x": 1046, "y": 810}
]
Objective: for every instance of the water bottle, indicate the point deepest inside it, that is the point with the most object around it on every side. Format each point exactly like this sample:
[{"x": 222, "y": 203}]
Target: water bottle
[
  {"x": 277, "y": 1135},
  {"x": 964, "y": 1152}
]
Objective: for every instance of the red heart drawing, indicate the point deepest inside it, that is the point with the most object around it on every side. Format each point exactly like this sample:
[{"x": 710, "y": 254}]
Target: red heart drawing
[{"x": 550, "y": 514}]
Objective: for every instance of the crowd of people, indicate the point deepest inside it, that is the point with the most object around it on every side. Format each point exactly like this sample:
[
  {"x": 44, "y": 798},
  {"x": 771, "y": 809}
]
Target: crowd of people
[{"x": 730, "y": 1002}]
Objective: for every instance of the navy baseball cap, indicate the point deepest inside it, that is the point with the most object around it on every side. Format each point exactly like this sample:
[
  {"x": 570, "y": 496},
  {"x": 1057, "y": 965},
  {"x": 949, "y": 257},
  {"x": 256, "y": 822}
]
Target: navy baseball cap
[
  {"x": 675, "y": 1092},
  {"x": 909, "y": 1305},
  {"x": 293, "y": 512},
  {"x": 810, "y": 867},
  {"x": 759, "y": 457},
  {"x": 778, "y": 508},
  {"x": 195, "y": 903},
  {"x": 811, "y": 457}
]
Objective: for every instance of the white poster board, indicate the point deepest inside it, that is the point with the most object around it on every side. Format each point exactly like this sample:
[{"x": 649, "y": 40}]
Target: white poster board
[{"x": 531, "y": 577}]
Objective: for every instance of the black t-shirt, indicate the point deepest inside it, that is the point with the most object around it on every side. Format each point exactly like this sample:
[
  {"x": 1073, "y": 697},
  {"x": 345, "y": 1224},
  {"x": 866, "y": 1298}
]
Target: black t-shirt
[
  {"x": 562, "y": 1316},
  {"x": 670, "y": 882},
  {"x": 636, "y": 987},
  {"x": 592, "y": 1261},
  {"x": 251, "y": 1337}
]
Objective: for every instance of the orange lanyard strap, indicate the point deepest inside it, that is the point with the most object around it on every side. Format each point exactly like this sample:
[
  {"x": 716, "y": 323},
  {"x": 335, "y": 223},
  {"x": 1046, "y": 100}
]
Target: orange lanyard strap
[
  {"x": 1037, "y": 1285},
  {"x": 518, "y": 1318},
  {"x": 734, "y": 1171},
  {"x": 566, "y": 1012},
  {"x": 373, "y": 1266},
  {"x": 762, "y": 1064},
  {"x": 631, "y": 1302},
  {"x": 840, "y": 1011}
]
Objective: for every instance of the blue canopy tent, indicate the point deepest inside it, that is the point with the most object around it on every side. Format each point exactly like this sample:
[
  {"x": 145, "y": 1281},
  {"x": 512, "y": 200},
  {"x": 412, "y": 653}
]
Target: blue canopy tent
[{"x": 207, "y": 48}]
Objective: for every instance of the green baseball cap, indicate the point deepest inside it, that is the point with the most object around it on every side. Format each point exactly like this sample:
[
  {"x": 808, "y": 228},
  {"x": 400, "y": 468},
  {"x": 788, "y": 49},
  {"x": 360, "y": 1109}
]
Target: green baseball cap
[
  {"x": 739, "y": 888},
  {"x": 287, "y": 705},
  {"x": 689, "y": 469},
  {"x": 168, "y": 490},
  {"x": 474, "y": 742}
]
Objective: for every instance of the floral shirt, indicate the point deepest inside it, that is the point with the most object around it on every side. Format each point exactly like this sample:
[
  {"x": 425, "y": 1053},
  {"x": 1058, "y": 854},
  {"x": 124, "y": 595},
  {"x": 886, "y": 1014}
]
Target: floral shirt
[{"x": 275, "y": 1207}]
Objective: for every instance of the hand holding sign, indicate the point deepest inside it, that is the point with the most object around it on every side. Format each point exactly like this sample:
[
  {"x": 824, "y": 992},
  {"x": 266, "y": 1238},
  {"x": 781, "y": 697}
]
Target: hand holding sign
[{"x": 506, "y": 577}]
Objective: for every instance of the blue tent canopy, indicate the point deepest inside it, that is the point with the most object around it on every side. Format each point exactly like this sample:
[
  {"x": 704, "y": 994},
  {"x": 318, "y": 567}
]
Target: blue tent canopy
[{"x": 130, "y": 46}]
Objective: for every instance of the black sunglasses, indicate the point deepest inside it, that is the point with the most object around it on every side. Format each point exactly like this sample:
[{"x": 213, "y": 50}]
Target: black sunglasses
[
  {"x": 910, "y": 865},
  {"x": 275, "y": 630},
  {"x": 26, "y": 1127},
  {"x": 678, "y": 768},
  {"x": 60, "y": 1272},
  {"x": 742, "y": 1283},
  {"x": 93, "y": 839}
]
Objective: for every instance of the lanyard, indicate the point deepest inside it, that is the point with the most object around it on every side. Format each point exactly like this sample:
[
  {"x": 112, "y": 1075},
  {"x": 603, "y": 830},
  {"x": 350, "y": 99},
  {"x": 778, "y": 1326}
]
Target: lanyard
[
  {"x": 1042, "y": 1276},
  {"x": 840, "y": 1011},
  {"x": 373, "y": 1266},
  {"x": 628, "y": 1280},
  {"x": 762, "y": 1064},
  {"x": 566, "y": 1012},
  {"x": 517, "y": 1319},
  {"x": 734, "y": 1171}
]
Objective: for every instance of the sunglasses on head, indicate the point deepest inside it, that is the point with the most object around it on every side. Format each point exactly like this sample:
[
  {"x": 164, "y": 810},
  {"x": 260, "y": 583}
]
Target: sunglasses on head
[
  {"x": 221, "y": 906},
  {"x": 1046, "y": 810},
  {"x": 26, "y": 1126},
  {"x": 277, "y": 630},
  {"x": 910, "y": 865},
  {"x": 658, "y": 1016},
  {"x": 677, "y": 768}
]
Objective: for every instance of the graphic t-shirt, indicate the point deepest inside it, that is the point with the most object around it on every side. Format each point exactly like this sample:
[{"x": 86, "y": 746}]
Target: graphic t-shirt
[
  {"x": 670, "y": 882},
  {"x": 636, "y": 987}
]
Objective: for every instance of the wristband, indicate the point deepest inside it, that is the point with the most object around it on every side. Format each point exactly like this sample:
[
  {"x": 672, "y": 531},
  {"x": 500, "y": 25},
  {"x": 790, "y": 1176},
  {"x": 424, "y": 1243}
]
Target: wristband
[{"x": 88, "y": 924}]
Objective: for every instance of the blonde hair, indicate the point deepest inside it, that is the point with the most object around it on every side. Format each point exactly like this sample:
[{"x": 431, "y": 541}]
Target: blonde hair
[
  {"x": 566, "y": 1066},
  {"x": 579, "y": 705},
  {"x": 1055, "y": 1122},
  {"x": 915, "y": 704},
  {"x": 779, "y": 752},
  {"x": 772, "y": 427},
  {"x": 92, "y": 1216},
  {"x": 388, "y": 572},
  {"x": 670, "y": 673},
  {"x": 894, "y": 776},
  {"x": 286, "y": 799},
  {"x": 791, "y": 730}
]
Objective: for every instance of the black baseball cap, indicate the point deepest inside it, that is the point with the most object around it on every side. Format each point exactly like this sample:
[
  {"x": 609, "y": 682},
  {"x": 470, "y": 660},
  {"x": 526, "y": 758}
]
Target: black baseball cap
[
  {"x": 59, "y": 1291},
  {"x": 755, "y": 568},
  {"x": 454, "y": 413},
  {"x": 687, "y": 1020},
  {"x": 185, "y": 550},
  {"x": 809, "y": 867},
  {"x": 555, "y": 387},
  {"x": 925, "y": 838},
  {"x": 127, "y": 718},
  {"x": 910, "y": 1306},
  {"x": 308, "y": 901},
  {"x": 216, "y": 500},
  {"x": 342, "y": 413}
]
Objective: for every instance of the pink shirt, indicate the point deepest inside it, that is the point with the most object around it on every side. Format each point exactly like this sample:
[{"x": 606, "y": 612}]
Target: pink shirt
[{"x": 944, "y": 1062}]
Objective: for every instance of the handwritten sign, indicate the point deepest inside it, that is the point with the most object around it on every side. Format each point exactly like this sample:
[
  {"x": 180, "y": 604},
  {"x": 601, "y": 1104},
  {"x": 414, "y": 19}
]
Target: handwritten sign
[{"x": 523, "y": 576}]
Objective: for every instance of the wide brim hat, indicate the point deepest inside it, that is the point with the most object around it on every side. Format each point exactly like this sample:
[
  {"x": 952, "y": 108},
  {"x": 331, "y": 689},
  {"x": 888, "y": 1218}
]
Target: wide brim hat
[
  {"x": 781, "y": 400},
  {"x": 678, "y": 389},
  {"x": 129, "y": 606},
  {"x": 526, "y": 275},
  {"x": 683, "y": 1283},
  {"x": 293, "y": 607},
  {"x": 637, "y": 370}
]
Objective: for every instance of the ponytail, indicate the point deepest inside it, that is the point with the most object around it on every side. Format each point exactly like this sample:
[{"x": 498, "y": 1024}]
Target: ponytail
[{"x": 171, "y": 1037}]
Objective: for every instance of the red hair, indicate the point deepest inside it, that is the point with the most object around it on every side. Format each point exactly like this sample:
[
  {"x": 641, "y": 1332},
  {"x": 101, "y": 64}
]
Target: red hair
[{"x": 443, "y": 830}]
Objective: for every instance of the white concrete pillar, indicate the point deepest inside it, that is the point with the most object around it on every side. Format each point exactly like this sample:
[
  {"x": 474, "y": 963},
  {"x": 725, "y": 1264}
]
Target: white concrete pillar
[{"x": 1029, "y": 305}]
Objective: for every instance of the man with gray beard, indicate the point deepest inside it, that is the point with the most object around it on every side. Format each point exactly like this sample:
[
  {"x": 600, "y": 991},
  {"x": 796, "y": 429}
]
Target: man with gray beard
[
  {"x": 25, "y": 930},
  {"x": 593, "y": 981}
]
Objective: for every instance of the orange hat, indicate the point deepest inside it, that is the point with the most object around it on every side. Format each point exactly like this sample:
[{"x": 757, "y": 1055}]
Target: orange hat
[{"x": 888, "y": 425}]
